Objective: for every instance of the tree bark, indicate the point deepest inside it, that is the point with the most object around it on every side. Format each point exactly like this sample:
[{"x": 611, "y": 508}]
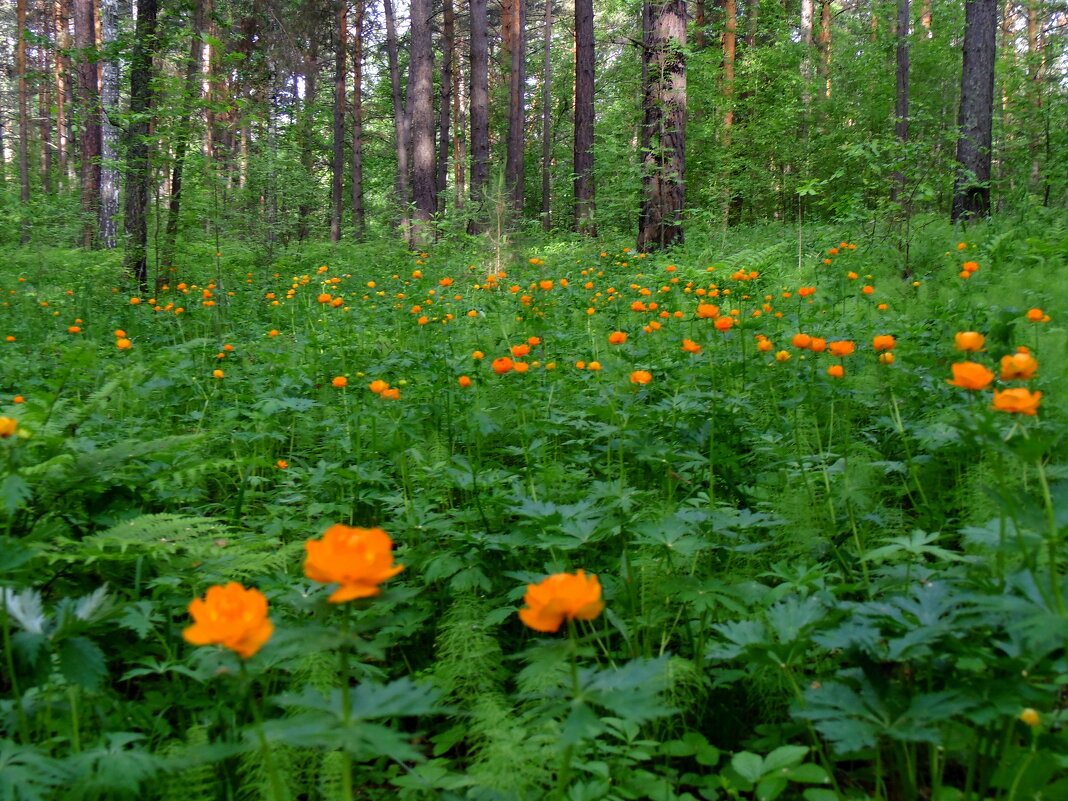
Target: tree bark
[
  {"x": 400, "y": 121},
  {"x": 479, "y": 110},
  {"x": 137, "y": 144},
  {"x": 1036, "y": 68},
  {"x": 109, "y": 134},
  {"x": 730, "y": 46},
  {"x": 448, "y": 55},
  {"x": 901, "y": 105},
  {"x": 89, "y": 112},
  {"x": 584, "y": 190},
  {"x": 44, "y": 103},
  {"x": 825, "y": 48},
  {"x": 807, "y": 44},
  {"x": 24, "y": 118},
  {"x": 664, "y": 102},
  {"x": 338, "y": 165},
  {"x": 514, "y": 46},
  {"x": 459, "y": 165},
  {"x": 971, "y": 192},
  {"x": 546, "y": 116},
  {"x": 424, "y": 184},
  {"x": 359, "y": 214},
  {"x": 61, "y": 67}
]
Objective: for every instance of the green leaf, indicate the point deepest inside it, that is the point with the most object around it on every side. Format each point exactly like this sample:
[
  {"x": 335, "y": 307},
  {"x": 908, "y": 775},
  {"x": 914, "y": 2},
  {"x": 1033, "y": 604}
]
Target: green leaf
[
  {"x": 15, "y": 492},
  {"x": 27, "y": 774},
  {"x": 81, "y": 662},
  {"x": 785, "y": 756},
  {"x": 748, "y": 765},
  {"x": 770, "y": 787},
  {"x": 809, "y": 774}
]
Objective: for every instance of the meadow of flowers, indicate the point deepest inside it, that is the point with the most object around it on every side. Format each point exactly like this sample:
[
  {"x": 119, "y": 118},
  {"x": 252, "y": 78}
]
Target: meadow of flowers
[{"x": 765, "y": 521}]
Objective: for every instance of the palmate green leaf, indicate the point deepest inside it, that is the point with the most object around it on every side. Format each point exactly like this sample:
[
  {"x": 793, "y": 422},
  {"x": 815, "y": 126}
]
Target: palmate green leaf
[
  {"x": 112, "y": 768},
  {"x": 28, "y": 774},
  {"x": 82, "y": 662},
  {"x": 631, "y": 691},
  {"x": 15, "y": 492}
]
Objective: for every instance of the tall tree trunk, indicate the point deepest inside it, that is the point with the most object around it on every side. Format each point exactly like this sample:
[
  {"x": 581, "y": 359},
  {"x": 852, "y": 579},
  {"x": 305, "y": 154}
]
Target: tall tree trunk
[
  {"x": 359, "y": 215},
  {"x": 338, "y": 165},
  {"x": 546, "y": 117},
  {"x": 584, "y": 189},
  {"x": 901, "y": 105},
  {"x": 807, "y": 44},
  {"x": 700, "y": 22},
  {"x": 400, "y": 121},
  {"x": 448, "y": 55},
  {"x": 137, "y": 143},
  {"x": 306, "y": 133},
  {"x": 825, "y": 48},
  {"x": 24, "y": 118},
  {"x": 109, "y": 134},
  {"x": 925, "y": 18},
  {"x": 971, "y": 192},
  {"x": 421, "y": 66},
  {"x": 44, "y": 104},
  {"x": 730, "y": 45},
  {"x": 61, "y": 67},
  {"x": 664, "y": 102},
  {"x": 189, "y": 101},
  {"x": 1036, "y": 65},
  {"x": 89, "y": 113},
  {"x": 479, "y": 109},
  {"x": 514, "y": 46},
  {"x": 459, "y": 165}
]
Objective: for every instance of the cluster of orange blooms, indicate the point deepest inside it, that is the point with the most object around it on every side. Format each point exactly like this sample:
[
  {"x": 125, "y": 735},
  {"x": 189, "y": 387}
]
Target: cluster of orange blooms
[
  {"x": 1019, "y": 366},
  {"x": 359, "y": 561}
]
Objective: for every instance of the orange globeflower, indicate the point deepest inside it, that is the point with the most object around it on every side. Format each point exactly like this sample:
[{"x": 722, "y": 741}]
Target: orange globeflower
[
  {"x": 282, "y": 464},
  {"x": 970, "y": 375},
  {"x": 969, "y": 267},
  {"x": 1017, "y": 401},
  {"x": 970, "y": 341},
  {"x": 8, "y": 426},
  {"x": 123, "y": 344},
  {"x": 377, "y": 386},
  {"x": 520, "y": 350},
  {"x": 218, "y": 373},
  {"x": 836, "y": 371},
  {"x": 1020, "y": 366},
  {"x": 1037, "y": 316},
  {"x": 390, "y": 394},
  {"x": 886, "y": 358},
  {"x": 817, "y": 345},
  {"x": 690, "y": 346},
  {"x": 842, "y": 348},
  {"x": 641, "y": 377},
  {"x": 502, "y": 365},
  {"x": 765, "y": 345},
  {"x": 478, "y": 355},
  {"x": 805, "y": 291},
  {"x": 571, "y": 596},
  {"x": 707, "y": 311},
  {"x": 18, "y": 399},
  {"x": 617, "y": 338},
  {"x": 230, "y": 616},
  {"x": 340, "y": 381},
  {"x": 801, "y": 341},
  {"x": 724, "y": 323},
  {"x": 782, "y": 356},
  {"x": 359, "y": 559},
  {"x": 884, "y": 342},
  {"x": 868, "y": 289},
  {"x": 594, "y": 365},
  {"x": 464, "y": 381},
  {"x": 520, "y": 367}
]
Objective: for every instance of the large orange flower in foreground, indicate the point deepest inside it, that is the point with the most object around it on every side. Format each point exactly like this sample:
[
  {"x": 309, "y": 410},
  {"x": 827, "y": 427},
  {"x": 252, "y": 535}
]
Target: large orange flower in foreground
[
  {"x": 970, "y": 375},
  {"x": 230, "y": 616},
  {"x": 1018, "y": 401},
  {"x": 561, "y": 596},
  {"x": 359, "y": 559}
]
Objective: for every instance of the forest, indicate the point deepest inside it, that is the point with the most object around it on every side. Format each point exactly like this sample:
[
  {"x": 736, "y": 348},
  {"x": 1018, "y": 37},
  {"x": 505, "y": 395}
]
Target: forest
[{"x": 646, "y": 400}]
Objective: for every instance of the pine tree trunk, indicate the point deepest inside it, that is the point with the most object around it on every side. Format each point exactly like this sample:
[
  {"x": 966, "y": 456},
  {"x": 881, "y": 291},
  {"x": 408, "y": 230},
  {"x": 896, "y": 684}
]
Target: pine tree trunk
[
  {"x": 514, "y": 45},
  {"x": 1036, "y": 73},
  {"x": 448, "y": 55},
  {"x": 971, "y": 193},
  {"x": 825, "y": 48},
  {"x": 61, "y": 67},
  {"x": 24, "y": 118},
  {"x": 359, "y": 215},
  {"x": 424, "y": 185},
  {"x": 44, "y": 104},
  {"x": 664, "y": 102},
  {"x": 109, "y": 134},
  {"x": 400, "y": 121},
  {"x": 584, "y": 189},
  {"x": 730, "y": 46},
  {"x": 338, "y": 165},
  {"x": 89, "y": 114},
  {"x": 546, "y": 117},
  {"x": 479, "y": 109},
  {"x": 901, "y": 105},
  {"x": 459, "y": 165},
  {"x": 138, "y": 168}
]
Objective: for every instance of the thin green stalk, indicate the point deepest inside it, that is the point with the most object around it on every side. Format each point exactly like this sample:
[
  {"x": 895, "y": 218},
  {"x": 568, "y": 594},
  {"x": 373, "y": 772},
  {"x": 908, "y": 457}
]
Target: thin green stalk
[
  {"x": 564, "y": 775},
  {"x": 278, "y": 792},
  {"x": 9, "y": 659}
]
